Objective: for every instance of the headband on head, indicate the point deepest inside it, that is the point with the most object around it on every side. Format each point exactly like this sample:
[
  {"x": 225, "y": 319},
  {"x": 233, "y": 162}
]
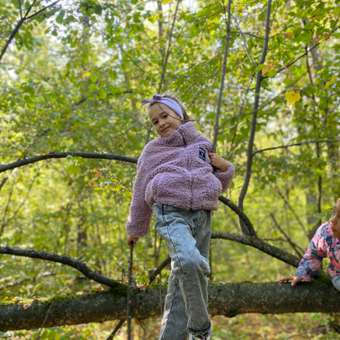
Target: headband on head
[{"x": 171, "y": 103}]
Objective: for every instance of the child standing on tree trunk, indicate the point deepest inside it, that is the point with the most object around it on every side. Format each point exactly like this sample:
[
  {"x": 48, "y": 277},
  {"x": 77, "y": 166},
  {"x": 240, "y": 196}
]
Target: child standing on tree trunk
[
  {"x": 180, "y": 179},
  {"x": 325, "y": 243}
]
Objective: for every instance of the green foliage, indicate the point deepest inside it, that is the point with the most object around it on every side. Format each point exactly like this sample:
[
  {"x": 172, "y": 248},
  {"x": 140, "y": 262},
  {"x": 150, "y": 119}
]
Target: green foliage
[{"x": 73, "y": 80}]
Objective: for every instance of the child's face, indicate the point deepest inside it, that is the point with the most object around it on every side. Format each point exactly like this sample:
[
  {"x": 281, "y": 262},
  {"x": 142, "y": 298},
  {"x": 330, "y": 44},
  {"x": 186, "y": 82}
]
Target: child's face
[
  {"x": 164, "y": 119},
  {"x": 335, "y": 221}
]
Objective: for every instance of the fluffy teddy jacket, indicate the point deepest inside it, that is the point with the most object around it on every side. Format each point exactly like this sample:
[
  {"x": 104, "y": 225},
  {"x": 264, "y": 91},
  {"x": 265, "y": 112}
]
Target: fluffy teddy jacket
[{"x": 175, "y": 170}]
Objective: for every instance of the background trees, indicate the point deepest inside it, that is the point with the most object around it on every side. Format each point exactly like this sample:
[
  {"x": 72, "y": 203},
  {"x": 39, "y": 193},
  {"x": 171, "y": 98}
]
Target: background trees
[{"x": 73, "y": 74}]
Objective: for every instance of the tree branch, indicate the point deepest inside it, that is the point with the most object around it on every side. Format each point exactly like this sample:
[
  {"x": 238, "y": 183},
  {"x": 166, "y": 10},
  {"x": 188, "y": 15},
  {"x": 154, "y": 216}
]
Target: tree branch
[
  {"x": 3, "y": 182},
  {"x": 244, "y": 218},
  {"x": 224, "y": 69},
  {"x": 93, "y": 155},
  {"x": 297, "y": 217},
  {"x": 154, "y": 273},
  {"x": 120, "y": 323},
  {"x": 228, "y": 299},
  {"x": 167, "y": 53},
  {"x": 259, "y": 78},
  {"x": 302, "y": 55},
  {"x": 298, "y": 250},
  {"x": 11, "y": 37},
  {"x": 337, "y": 140},
  {"x": 21, "y": 22},
  {"x": 251, "y": 241},
  {"x": 68, "y": 261},
  {"x": 259, "y": 244},
  {"x": 42, "y": 10}
]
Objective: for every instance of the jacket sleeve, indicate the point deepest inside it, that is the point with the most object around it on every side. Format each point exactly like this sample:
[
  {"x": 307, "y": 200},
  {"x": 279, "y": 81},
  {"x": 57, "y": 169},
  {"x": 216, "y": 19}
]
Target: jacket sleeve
[
  {"x": 225, "y": 176},
  {"x": 311, "y": 262},
  {"x": 140, "y": 212}
]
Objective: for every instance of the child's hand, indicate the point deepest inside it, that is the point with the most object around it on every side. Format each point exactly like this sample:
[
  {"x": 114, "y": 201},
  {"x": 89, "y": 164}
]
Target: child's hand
[
  {"x": 218, "y": 162},
  {"x": 132, "y": 239},
  {"x": 294, "y": 280}
]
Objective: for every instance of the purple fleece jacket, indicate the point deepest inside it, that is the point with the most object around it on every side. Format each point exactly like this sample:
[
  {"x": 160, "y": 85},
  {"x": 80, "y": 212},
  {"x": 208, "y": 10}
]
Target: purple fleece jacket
[{"x": 175, "y": 170}]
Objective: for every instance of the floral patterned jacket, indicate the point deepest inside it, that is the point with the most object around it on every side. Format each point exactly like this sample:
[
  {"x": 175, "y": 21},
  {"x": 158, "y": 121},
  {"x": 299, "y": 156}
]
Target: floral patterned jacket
[{"x": 323, "y": 244}]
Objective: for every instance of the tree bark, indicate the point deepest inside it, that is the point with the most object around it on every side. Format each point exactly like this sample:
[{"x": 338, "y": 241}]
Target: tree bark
[{"x": 228, "y": 299}]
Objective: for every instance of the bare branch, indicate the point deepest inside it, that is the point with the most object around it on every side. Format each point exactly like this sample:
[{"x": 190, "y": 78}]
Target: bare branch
[
  {"x": 154, "y": 273},
  {"x": 337, "y": 140},
  {"x": 119, "y": 325},
  {"x": 298, "y": 250},
  {"x": 20, "y": 8},
  {"x": 68, "y": 261},
  {"x": 244, "y": 218},
  {"x": 224, "y": 69},
  {"x": 167, "y": 53},
  {"x": 42, "y": 10},
  {"x": 11, "y": 37},
  {"x": 30, "y": 8},
  {"x": 259, "y": 78},
  {"x": 21, "y": 22},
  {"x": 246, "y": 48},
  {"x": 297, "y": 217},
  {"x": 92, "y": 155},
  {"x": 259, "y": 244},
  {"x": 3, "y": 182}
]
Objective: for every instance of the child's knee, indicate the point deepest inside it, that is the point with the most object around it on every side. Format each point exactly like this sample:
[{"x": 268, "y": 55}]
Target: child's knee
[{"x": 197, "y": 263}]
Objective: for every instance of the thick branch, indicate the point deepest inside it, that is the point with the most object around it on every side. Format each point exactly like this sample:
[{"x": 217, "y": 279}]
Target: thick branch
[
  {"x": 94, "y": 155},
  {"x": 259, "y": 244},
  {"x": 68, "y": 261},
  {"x": 259, "y": 78},
  {"x": 243, "y": 217},
  {"x": 227, "y": 299}
]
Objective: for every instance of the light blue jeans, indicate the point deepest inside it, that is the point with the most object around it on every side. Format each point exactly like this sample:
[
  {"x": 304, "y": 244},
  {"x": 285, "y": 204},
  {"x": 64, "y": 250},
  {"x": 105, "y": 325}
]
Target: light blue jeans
[
  {"x": 187, "y": 233},
  {"x": 336, "y": 282}
]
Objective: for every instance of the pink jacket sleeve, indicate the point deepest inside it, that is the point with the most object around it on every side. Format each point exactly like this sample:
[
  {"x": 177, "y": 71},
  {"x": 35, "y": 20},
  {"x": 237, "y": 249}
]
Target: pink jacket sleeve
[
  {"x": 311, "y": 262},
  {"x": 140, "y": 212}
]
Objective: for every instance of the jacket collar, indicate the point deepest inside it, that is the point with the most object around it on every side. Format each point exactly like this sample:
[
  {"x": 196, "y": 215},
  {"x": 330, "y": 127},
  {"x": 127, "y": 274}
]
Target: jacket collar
[{"x": 185, "y": 134}]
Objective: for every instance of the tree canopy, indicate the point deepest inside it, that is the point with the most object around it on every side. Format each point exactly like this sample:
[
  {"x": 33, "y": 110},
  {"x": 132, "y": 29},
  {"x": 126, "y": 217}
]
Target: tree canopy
[{"x": 260, "y": 79}]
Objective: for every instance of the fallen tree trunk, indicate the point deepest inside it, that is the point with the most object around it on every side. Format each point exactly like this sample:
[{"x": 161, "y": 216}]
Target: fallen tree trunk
[{"x": 229, "y": 299}]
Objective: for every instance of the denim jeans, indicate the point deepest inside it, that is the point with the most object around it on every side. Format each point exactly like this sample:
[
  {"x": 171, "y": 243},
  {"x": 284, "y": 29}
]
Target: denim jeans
[
  {"x": 336, "y": 282},
  {"x": 187, "y": 233}
]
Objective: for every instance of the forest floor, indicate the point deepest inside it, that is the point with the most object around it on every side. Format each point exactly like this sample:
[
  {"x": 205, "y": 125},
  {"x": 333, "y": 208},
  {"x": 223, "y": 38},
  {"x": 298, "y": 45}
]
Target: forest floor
[{"x": 243, "y": 327}]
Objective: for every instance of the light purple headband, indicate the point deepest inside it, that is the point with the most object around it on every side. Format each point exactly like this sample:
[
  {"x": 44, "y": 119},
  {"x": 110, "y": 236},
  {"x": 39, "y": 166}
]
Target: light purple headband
[{"x": 171, "y": 103}]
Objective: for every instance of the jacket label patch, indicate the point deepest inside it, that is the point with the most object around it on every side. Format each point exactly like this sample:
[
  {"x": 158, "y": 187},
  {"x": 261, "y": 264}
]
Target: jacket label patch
[{"x": 202, "y": 154}]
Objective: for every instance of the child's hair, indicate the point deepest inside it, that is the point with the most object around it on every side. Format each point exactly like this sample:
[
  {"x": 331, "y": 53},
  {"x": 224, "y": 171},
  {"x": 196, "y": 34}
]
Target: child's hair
[{"x": 186, "y": 117}]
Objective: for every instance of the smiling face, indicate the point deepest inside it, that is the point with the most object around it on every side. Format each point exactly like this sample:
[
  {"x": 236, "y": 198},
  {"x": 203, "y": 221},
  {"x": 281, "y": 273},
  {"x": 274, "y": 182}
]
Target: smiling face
[
  {"x": 335, "y": 220},
  {"x": 164, "y": 119}
]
